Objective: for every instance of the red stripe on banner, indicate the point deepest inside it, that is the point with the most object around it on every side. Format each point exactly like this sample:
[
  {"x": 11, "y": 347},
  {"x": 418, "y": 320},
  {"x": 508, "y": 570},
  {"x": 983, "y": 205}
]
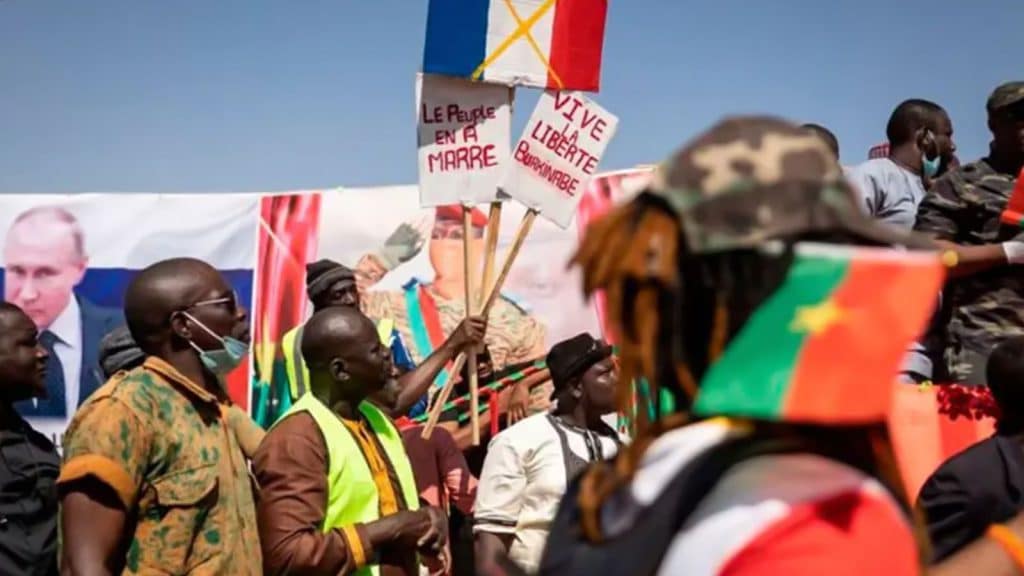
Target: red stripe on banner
[
  {"x": 577, "y": 39},
  {"x": 431, "y": 318}
]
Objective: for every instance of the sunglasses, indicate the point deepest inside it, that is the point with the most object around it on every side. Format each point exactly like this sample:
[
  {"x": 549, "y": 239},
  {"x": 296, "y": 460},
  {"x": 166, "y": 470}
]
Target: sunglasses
[{"x": 230, "y": 302}]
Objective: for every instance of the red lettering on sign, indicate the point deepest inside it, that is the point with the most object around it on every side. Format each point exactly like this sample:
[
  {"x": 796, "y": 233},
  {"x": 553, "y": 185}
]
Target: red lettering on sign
[
  {"x": 559, "y": 179},
  {"x": 431, "y": 116},
  {"x": 442, "y": 137},
  {"x": 473, "y": 157}
]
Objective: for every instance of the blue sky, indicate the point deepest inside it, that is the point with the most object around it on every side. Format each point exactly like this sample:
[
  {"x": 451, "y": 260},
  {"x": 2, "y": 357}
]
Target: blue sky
[{"x": 231, "y": 95}]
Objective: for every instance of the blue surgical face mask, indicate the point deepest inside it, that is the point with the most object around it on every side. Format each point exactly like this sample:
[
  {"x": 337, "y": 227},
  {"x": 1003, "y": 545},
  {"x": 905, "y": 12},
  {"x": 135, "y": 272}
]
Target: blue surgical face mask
[
  {"x": 222, "y": 361},
  {"x": 930, "y": 167}
]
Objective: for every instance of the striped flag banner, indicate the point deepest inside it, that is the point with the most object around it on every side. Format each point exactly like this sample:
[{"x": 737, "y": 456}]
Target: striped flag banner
[
  {"x": 826, "y": 347},
  {"x": 553, "y": 44}
]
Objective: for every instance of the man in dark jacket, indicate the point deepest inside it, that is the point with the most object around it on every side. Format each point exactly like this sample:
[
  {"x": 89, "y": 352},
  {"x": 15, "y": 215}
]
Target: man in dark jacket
[
  {"x": 28, "y": 461},
  {"x": 984, "y": 484}
]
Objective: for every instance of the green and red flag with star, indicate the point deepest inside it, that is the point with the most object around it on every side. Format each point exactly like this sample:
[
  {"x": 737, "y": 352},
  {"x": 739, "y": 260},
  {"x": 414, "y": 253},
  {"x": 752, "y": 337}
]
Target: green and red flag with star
[{"x": 827, "y": 345}]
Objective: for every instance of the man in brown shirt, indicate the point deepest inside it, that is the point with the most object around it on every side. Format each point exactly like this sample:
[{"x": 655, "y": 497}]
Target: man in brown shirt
[{"x": 347, "y": 362}]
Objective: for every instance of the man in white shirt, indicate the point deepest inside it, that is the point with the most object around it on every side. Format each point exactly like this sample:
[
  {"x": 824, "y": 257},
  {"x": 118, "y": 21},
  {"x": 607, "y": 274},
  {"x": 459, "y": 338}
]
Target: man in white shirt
[
  {"x": 44, "y": 260},
  {"x": 921, "y": 146},
  {"x": 529, "y": 465}
]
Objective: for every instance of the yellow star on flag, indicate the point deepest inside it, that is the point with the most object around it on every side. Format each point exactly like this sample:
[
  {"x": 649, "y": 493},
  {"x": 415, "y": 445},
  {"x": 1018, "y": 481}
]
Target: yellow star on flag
[{"x": 818, "y": 318}]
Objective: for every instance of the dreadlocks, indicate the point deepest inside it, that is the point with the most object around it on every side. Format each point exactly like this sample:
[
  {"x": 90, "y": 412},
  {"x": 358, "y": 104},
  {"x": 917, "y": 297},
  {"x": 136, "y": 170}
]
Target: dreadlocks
[{"x": 671, "y": 312}]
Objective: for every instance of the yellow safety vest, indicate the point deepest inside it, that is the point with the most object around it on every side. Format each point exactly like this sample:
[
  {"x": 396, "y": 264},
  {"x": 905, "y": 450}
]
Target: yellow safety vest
[{"x": 352, "y": 496}]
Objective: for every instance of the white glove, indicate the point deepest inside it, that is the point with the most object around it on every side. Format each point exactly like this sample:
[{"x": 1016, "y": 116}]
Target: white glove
[{"x": 1014, "y": 250}]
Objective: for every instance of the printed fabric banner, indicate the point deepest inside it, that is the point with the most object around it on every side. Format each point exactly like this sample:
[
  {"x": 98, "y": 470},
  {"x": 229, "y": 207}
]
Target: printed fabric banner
[
  {"x": 409, "y": 265},
  {"x": 67, "y": 260}
]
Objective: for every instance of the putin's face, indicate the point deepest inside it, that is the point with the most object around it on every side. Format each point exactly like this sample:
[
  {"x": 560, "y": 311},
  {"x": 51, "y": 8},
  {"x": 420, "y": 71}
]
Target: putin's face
[{"x": 42, "y": 266}]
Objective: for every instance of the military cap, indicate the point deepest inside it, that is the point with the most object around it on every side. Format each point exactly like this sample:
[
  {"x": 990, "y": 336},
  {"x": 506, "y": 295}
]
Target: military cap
[
  {"x": 1005, "y": 95},
  {"x": 752, "y": 179},
  {"x": 453, "y": 213}
]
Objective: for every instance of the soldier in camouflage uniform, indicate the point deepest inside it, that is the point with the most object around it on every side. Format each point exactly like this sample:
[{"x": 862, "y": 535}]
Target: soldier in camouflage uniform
[
  {"x": 984, "y": 301},
  {"x": 153, "y": 481}
]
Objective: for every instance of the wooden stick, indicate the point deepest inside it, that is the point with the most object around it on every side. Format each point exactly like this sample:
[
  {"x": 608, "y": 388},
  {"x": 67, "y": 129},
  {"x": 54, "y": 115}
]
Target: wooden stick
[
  {"x": 524, "y": 228},
  {"x": 470, "y": 299},
  {"x": 442, "y": 397},
  {"x": 490, "y": 250}
]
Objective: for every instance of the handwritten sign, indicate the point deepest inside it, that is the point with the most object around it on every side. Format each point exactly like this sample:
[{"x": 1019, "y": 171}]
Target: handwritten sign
[
  {"x": 464, "y": 131},
  {"x": 558, "y": 154}
]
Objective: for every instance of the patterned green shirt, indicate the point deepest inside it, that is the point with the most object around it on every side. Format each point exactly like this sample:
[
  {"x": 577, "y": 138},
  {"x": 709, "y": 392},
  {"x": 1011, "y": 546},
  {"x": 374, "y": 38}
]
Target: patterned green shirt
[
  {"x": 163, "y": 444},
  {"x": 964, "y": 207}
]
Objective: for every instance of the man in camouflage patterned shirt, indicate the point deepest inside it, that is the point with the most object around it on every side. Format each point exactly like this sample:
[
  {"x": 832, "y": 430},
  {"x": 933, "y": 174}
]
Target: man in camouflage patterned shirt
[
  {"x": 984, "y": 300},
  {"x": 154, "y": 482}
]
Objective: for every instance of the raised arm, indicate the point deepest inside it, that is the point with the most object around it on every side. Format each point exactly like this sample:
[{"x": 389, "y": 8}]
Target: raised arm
[{"x": 415, "y": 383}]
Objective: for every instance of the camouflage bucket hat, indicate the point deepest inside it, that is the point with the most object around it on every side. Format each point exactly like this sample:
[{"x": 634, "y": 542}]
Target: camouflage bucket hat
[{"x": 749, "y": 180}]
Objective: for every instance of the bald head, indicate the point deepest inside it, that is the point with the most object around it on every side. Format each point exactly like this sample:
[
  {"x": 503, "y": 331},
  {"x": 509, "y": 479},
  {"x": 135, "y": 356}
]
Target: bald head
[
  {"x": 340, "y": 344},
  {"x": 162, "y": 289},
  {"x": 44, "y": 259}
]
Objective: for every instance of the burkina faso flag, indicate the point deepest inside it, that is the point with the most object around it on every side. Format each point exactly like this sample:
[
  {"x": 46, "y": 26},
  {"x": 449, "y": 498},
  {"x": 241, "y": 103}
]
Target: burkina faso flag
[
  {"x": 1014, "y": 213},
  {"x": 827, "y": 346}
]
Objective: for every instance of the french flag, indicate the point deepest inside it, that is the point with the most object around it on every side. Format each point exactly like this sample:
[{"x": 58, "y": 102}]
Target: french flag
[{"x": 552, "y": 44}]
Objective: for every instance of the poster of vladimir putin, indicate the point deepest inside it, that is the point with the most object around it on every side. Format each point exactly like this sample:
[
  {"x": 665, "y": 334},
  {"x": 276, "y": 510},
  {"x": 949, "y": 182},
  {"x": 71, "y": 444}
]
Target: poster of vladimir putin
[{"x": 44, "y": 260}]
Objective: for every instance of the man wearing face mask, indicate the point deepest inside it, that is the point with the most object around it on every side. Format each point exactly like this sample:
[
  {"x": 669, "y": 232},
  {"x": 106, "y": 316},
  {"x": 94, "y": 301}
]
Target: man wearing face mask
[
  {"x": 153, "y": 480},
  {"x": 984, "y": 300},
  {"x": 920, "y": 144},
  {"x": 337, "y": 492},
  {"x": 28, "y": 461}
]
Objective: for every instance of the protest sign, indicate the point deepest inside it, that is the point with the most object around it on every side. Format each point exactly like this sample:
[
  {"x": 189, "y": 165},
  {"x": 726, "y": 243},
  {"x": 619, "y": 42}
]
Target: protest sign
[
  {"x": 558, "y": 154},
  {"x": 464, "y": 131},
  {"x": 542, "y": 44}
]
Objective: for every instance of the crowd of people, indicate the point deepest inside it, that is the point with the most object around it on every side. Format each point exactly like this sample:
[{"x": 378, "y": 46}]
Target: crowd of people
[{"x": 160, "y": 473}]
